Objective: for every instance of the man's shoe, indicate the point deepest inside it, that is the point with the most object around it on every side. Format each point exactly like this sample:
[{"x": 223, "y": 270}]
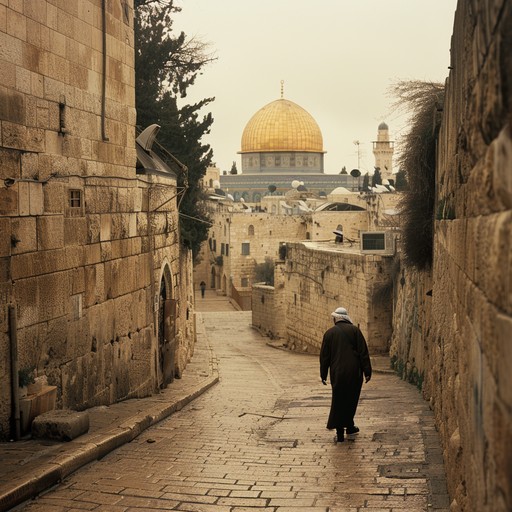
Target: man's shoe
[
  {"x": 352, "y": 432},
  {"x": 339, "y": 439}
]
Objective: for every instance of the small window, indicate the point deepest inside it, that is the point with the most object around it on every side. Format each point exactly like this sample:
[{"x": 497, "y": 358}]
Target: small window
[
  {"x": 214, "y": 246},
  {"x": 222, "y": 248},
  {"x": 75, "y": 198},
  {"x": 251, "y": 230},
  {"x": 246, "y": 248},
  {"x": 245, "y": 282},
  {"x": 374, "y": 241},
  {"x": 227, "y": 250}
]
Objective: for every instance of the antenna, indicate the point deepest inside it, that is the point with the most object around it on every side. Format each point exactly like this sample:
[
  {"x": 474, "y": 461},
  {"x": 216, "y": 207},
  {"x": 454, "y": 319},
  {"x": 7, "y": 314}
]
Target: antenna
[
  {"x": 282, "y": 89},
  {"x": 357, "y": 143}
]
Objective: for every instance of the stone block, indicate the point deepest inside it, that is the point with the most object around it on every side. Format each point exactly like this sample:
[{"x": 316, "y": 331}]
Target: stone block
[
  {"x": 61, "y": 425},
  {"x": 14, "y": 135},
  {"x": 29, "y": 165},
  {"x": 93, "y": 228},
  {"x": 23, "y": 81},
  {"x": 8, "y": 201},
  {"x": 502, "y": 177},
  {"x": 10, "y": 167},
  {"x": 54, "y": 291},
  {"x": 54, "y": 197},
  {"x": 50, "y": 232},
  {"x": 75, "y": 231},
  {"x": 8, "y": 78},
  {"x": 105, "y": 227},
  {"x": 53, "y": 140},
  {"x": 36, "y": 199},
  {"x": 35, "y": 140},
  {"x": 23, "y": 198},
  {"x": 94, "y": 285},
  {"x": 24, "y": 231},
  {"x": 11, "y": 49},
  {"x": 5, "y": 237}
]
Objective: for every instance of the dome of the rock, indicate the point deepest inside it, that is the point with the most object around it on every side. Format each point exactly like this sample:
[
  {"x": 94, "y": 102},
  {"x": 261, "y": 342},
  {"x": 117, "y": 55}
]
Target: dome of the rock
[{"x": 282, "y": 125}]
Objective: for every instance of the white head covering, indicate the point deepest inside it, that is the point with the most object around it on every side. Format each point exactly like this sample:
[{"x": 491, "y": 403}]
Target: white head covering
[{"x": 341, "y": 314}]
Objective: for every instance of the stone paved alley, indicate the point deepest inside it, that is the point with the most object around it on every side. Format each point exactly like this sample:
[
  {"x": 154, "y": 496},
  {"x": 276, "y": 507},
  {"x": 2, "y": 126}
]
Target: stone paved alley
[{"x": 257, "y": 440}]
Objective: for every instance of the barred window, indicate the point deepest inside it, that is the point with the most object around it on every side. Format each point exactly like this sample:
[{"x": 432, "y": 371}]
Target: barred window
[{"x": 75, "y": 198}]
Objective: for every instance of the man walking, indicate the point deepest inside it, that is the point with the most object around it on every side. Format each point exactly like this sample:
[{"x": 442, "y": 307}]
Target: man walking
[{"x": 344, "y": 354}]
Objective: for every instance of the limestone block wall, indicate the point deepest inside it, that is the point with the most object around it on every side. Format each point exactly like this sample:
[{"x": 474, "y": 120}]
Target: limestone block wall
[
  {"x": 186, "y": 327},
  {"x": 466, "y": 337},
  {"x": 269, "y": 305},
  {"x": 321, "y": 277},
  {"x": 411, "y": 317},
  {"x": 83, "y": 247},
  {"x": 472, "y": 298}
]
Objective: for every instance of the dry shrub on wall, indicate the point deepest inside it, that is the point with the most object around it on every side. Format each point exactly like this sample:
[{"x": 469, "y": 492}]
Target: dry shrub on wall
[{"x": 423, "y": 101}]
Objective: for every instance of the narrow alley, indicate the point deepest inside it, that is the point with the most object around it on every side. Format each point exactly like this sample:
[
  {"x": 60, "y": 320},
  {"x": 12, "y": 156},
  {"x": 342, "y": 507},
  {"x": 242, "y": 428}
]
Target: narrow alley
[{"x": 257, "y": 440}]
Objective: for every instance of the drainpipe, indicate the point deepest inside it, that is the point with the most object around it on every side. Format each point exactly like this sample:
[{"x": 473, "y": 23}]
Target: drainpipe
[
  {"x": 104, "y": 65},
  {"x": 13, "y": 338}
]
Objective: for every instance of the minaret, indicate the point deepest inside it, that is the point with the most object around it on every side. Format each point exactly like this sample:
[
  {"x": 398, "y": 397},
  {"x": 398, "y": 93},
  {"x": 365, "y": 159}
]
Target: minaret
[{"x": 383, "y": 149}]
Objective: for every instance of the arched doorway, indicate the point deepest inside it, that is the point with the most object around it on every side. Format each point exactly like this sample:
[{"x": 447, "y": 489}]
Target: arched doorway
[{"x": 166, "y": 330}]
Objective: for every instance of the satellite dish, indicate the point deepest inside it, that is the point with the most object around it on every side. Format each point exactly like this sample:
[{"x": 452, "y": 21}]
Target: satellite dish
[
  {"x": 216, "y": 184},
  {"x": 355, "y": 173},
  {"x": 242, "y": 200},
  {"x": 295, "y": 183},
  {"x": 385, "y": 182},
  {"x": 301, "y": 183},
  {"x": 231, "y": 197}
]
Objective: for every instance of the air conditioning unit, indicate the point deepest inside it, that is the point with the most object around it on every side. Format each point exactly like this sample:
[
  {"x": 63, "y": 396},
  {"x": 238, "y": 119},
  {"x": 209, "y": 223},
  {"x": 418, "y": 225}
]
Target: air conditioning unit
[{"x": 378, "y": 242}]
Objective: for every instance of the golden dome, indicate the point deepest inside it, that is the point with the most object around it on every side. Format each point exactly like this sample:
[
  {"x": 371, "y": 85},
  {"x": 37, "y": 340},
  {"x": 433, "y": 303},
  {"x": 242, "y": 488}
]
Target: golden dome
[{"x": 282, "y": 126}]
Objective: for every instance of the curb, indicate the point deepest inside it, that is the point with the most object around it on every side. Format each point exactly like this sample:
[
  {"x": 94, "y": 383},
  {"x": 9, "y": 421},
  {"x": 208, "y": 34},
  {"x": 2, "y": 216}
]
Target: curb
[{"x": 63, "y": 465}]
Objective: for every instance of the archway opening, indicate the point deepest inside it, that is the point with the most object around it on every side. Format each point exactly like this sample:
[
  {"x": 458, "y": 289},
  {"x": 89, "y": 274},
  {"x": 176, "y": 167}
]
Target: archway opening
[{"x": 166, "y": 330}]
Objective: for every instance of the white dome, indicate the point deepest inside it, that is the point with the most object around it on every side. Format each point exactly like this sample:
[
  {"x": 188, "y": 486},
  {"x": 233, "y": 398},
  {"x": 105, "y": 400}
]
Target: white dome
[{"x": 340, "y": 191}]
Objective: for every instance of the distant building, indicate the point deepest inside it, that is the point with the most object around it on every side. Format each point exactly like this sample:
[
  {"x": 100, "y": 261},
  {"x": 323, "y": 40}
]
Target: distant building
[
  {"x": 281, "y": 143},
  {"x": 383, "y": 150}
]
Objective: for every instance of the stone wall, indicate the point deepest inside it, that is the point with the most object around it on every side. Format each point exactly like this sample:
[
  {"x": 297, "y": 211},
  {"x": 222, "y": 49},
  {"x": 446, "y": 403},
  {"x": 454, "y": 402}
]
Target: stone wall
[
  {"x": 264, "y": 233},
  {"x": 321, "y": 277},
  {"x": 462, "y": 335},
  {"x": 83, "y": 250},
  {"x": 269, "y": 305}
]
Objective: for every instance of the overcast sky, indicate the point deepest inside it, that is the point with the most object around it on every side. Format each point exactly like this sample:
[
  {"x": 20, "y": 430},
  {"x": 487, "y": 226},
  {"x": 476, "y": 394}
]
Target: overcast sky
[{"x": 338, "y": 59}]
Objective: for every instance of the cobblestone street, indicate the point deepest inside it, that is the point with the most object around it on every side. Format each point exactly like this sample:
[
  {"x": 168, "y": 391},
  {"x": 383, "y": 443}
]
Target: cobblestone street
[{"x": 257, "y": 440}]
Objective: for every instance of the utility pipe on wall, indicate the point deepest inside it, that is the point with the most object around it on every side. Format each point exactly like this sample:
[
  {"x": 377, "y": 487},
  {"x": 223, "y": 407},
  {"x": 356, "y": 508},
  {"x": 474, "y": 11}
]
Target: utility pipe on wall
[
  {"x": 15, "y": 403},
  {"x": 104, "y": 65}
]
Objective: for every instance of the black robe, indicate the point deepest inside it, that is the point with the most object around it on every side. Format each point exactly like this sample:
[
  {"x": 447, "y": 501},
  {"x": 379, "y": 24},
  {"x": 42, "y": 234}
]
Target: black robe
[{"x": 345, "y": 354}]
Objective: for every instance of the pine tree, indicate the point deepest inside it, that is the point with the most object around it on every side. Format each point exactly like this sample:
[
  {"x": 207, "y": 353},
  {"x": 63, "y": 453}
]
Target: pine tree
[
  {"x": 377, "y": 177},
  {"x": 366, "y": 182},
  {"x": 166, "y": 65},
  {"x": 234, "y": 170},
  {"x": 400, "y": 180}
]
